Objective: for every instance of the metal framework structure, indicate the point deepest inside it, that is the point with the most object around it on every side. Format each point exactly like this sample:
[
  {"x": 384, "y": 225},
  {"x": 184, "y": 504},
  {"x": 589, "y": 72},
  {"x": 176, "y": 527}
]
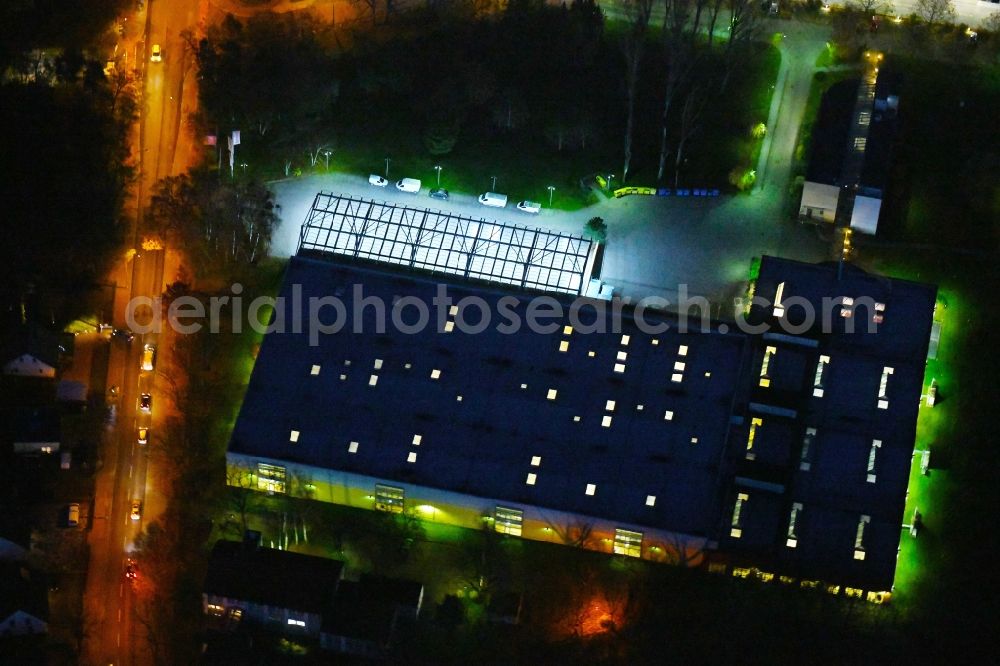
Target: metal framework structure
[{"x": 438, "y": 241}]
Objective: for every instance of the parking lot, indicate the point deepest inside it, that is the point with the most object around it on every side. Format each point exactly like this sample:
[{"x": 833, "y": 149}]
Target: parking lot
[{"x": 657, "y": 246}]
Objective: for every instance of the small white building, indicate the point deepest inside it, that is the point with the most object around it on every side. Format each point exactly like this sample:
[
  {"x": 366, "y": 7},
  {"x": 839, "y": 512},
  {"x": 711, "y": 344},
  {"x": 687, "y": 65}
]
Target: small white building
[{"x": 819, "y": 202}]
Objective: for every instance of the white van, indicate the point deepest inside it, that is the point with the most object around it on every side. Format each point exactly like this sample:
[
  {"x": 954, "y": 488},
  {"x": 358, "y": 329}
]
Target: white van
[
  {"x": 408, "y": 185},
  {"x": 73, "y": 515},
  {"x": 493, "y": 199}
]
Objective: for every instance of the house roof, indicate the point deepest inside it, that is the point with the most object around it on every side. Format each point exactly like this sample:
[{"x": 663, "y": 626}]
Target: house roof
[
  {"x": 34, "y": 341},
  {"x": 820, "y": 195},
  {"x": 367, "y": 609},
  {"x": 274, "y": 577}
]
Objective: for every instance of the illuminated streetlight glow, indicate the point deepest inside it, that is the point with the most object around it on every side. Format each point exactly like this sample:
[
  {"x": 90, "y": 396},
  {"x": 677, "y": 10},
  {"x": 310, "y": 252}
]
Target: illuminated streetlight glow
[
  {"x": 438, "y": 169},
  {"x": 552, "y": 189}
]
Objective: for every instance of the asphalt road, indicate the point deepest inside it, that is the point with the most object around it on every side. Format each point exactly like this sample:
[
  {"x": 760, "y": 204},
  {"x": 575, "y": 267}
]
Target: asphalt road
[
  {"x": 112, "y": 634},
  {"x": 109, "y": 620}
]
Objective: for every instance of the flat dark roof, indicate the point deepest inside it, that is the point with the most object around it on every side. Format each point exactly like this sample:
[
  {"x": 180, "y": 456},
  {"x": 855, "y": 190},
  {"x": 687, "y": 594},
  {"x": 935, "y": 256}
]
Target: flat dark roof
[
  {"x": 488, "y": 413},
  {"x": 274, "y": 577},
  {"x": 835, "y": 477},
  {"x": 481, "y": 406},
  {"x": 829, "y": 133}
]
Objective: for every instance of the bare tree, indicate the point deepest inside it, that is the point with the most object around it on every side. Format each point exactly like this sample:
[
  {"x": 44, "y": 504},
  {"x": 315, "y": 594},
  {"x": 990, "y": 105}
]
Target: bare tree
[
  {"x": 936, "y": 11},
  {"x": 694, "y": 104},
  {"x": 992, "y": 22},
  {"x": 242, "y": 496},
  {"x": 872, "y": 7},
  {"x": 370, "y": 5},
  {"x": 575, "y": 534},
  {"x": 744, "y": 26},
  {"x": 633, "y": 45},
  {"x": 314, "y": 152},
  {"x": 681, "y": 24}
]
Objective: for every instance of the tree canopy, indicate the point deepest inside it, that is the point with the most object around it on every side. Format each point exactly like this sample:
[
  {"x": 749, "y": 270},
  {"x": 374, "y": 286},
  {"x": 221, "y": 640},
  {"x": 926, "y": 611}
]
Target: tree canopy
[{"x": 65, "y": 167}]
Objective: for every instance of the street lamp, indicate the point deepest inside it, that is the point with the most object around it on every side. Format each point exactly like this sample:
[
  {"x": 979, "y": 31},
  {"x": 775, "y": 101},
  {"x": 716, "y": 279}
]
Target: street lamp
[
  {"x": 438, "y": 169},
  {"x": 494, "y": 188},
  {"x": 552, "y": 189},
  {"x": 244, "y": 165},
  {"x": 387, "y": 160},
  {"x": 611, "y": 177},
  {"x": 326, "y": 154}
]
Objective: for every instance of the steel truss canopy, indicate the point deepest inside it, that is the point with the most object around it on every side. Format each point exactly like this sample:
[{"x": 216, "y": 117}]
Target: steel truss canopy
[{"x": 434, "y": 240}]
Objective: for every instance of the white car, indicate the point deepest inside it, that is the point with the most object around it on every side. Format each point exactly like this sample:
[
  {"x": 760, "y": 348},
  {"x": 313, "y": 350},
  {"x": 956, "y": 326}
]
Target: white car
[
  {"x": 377, "y": 180},
  {"x": 156, "y": 55},
  {"x": 529, "y": 206},
  {"x": 136, "y": 512},
  {"x": 493, "y": 199},
  {"x": 143, "y": 435},
  {"x": 408, "y": 185}
]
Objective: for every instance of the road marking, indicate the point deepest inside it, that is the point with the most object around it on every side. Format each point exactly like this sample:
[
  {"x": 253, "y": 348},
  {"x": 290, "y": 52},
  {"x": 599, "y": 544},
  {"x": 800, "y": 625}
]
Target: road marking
[
  {"x": 118, "y": 640},
  {"x": 121, "y": 589},
  {"x": 119, "y": 614},
  {"x": 130, "y": 471}
]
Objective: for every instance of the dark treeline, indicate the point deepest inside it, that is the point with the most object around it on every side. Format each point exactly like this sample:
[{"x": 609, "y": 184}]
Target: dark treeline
[
  {"x": 53, "y": 24},
  {"x": 64, "y": 160},
  {"x": 550, "y": 81}
]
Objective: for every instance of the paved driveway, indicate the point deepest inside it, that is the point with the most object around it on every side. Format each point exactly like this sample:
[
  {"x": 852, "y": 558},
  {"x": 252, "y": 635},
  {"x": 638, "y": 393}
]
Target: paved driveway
[{"x": 655, "y": 244}]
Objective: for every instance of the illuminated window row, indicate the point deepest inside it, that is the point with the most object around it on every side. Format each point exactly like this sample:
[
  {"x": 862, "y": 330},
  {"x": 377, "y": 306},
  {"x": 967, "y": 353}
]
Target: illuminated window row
[
  {"x": 755, "y": 423},
  {"x": 883, "y": 388},
  {"x": 389, "y": 498},
  {"x": 859, "y": 539},
  {"x": 736, "y": 527},
  {"x": 765, "y": 378},
  {"x": 792, "y": 540},
  {"x": 628, "y": 543},
  {"x": 824, "y": 360},
  {"x": 807, "y": 441}
]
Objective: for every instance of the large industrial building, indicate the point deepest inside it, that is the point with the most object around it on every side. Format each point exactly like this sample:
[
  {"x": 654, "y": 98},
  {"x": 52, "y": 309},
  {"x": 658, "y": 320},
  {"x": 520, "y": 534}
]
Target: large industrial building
[{"x": 785, "y": 450}]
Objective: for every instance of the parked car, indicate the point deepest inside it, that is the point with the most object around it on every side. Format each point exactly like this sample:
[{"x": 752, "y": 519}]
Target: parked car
[
  {"x": 122, "y": 334},
  {"x": 146, "y": 403},
  {"x": 408, "y": 185},
  {"x": 156, "y": 55},
  {"x": 73, "y": 515},
  {"x": 377, "y": 180},
  {"x": 439, "y": 193},
  {"x": 493, "y": 199},
  {"x": 529, "y": 206},
  {"x": 143, "y": 435},
  {"x": 148, "y": 354},
  {"x": 136, "y": 512}
]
